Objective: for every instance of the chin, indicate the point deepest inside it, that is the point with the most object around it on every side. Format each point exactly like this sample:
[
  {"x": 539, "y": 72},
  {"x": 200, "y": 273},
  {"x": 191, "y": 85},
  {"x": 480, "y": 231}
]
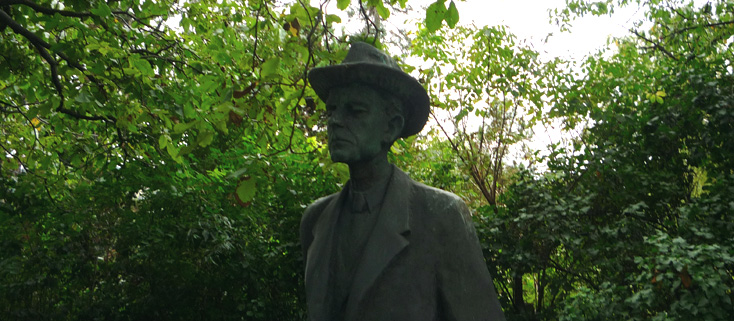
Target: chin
[{"x": 338, "y": 157}]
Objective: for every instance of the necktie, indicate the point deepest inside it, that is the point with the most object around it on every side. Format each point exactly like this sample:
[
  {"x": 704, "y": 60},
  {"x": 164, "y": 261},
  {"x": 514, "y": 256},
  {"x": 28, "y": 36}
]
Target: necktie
[{"x": 359, "y": 203}]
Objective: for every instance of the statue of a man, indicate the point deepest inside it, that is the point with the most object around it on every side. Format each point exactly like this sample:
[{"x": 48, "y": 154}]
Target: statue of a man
[{"x": 386, "y": 247}]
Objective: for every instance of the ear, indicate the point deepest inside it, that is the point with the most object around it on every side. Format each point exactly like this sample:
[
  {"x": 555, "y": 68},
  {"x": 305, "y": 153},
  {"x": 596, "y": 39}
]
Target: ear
[{"x": 394, "y": 128}]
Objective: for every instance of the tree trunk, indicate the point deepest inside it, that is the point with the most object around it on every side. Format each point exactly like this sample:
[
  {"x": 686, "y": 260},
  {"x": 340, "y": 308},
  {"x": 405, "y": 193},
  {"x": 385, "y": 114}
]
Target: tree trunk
[{"x": 517, "y": 292}]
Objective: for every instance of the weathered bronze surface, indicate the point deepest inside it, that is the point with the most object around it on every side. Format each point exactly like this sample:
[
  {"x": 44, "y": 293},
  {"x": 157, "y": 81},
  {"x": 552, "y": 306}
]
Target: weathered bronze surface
[{"x": 387, "y": 247}]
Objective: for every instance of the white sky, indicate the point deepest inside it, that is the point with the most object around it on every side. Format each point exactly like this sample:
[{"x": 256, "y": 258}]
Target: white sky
[{"x": 529, "y": 20}]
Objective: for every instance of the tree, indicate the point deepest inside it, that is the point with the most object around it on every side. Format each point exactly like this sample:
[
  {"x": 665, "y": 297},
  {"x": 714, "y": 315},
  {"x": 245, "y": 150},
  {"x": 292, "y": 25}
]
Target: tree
[
  {"x": 629, "y": 222},
  {"x": 158, "y": 156},
  {"x": 160, "y": 168},
  {"x": 492, "y": 92},
  {"x": 135, "y": 153}
]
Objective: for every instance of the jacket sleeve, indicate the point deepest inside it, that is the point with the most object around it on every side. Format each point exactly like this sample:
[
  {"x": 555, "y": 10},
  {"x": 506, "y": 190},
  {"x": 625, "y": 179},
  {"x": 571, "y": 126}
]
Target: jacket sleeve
[
  {"x": 465, "y": 287},
  {"x": 306, "y": 230},
  {"x": 308, "y": 221}
]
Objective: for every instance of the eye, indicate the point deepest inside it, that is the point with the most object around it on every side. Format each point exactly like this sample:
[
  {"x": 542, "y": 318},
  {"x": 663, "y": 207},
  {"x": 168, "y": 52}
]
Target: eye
[
  {"x": 358, "y": 108},
  {"x": 330, "y": 110}
]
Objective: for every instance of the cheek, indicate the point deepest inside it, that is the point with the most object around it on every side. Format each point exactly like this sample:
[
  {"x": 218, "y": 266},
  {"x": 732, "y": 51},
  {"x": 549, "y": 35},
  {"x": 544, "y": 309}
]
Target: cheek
[{"x": 383, "y": 130}]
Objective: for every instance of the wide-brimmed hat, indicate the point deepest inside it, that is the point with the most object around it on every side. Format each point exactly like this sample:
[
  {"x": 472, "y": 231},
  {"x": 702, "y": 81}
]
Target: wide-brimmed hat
[{"x": 368, "y": 65}]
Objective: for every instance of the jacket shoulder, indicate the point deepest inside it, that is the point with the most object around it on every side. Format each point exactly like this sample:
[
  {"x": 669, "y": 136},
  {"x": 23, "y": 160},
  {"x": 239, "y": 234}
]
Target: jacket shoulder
[
  {"x": 442, "y": 211},
  {"x": 309, "y": 219},
  {"x": 438, "y": 198},
  {"x": 313, "y": 212}
]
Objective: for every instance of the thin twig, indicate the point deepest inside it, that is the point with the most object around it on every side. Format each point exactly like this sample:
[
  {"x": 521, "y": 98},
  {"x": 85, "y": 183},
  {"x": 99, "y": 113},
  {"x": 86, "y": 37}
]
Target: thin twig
[
  {"x": 257, "y": 34},
  {"x": 364, "y": 13},
  {"x": 45, "y": 10},
  {"x": 655, "y": 45},
  {"x": 42, "y": 46},
  {"x": 309, "y": 60}
]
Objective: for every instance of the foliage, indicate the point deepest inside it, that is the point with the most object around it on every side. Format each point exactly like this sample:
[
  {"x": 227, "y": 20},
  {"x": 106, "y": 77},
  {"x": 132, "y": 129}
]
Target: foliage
[
  {"x": 629, "y": 222},
  {"x": 491, "y": 88},
  {"x": 159, "y": 154},
  {"x": 437, "y": 13},
  {"x": 153, "y": 170}
]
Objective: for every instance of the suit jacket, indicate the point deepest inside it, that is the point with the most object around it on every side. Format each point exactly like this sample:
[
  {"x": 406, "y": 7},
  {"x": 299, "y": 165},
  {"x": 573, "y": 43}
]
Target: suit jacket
[{"x": 422, "y": 261}]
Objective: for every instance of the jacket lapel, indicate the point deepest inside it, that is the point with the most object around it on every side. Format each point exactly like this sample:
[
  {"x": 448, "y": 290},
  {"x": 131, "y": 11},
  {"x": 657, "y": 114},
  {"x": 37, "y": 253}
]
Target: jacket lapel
[
  {"x": 318, "y": 264},
  {"x": 388, "y": 238}
]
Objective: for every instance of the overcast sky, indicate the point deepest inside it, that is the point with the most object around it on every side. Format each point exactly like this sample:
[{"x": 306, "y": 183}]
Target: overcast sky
[{"x": 528, "y": 19}]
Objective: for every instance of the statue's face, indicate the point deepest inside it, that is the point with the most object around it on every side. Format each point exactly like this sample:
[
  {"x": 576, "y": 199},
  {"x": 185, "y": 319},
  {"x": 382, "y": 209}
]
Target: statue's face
[{"x": 358, "y": 124}]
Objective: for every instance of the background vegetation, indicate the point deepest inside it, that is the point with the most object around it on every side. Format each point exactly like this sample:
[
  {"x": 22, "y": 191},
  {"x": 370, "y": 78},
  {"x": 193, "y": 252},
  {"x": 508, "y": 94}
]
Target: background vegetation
[{"x": 158, "y": 170}]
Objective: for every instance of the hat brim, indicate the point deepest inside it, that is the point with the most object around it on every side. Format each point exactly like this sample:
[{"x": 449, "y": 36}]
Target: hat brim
[{"x": 403, "y": 86}]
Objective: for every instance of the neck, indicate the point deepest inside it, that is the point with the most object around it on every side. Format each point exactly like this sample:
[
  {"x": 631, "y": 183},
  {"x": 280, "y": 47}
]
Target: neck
[{"x": 365, "y": 175}]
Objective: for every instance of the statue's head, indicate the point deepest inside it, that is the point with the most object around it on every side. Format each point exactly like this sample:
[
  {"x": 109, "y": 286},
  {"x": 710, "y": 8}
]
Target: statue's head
[{"x": 370, "y": 103}]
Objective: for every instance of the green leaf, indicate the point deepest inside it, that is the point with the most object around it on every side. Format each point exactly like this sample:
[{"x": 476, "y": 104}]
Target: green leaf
[
  {"x": 143, "y": 66},
  {"x": 221, "y": 125},
  {"x": 205, "y": 138},
  {"x": 186, "y": 150},
  {"x": 332, "y": 18},
  {"x": 237, "y": 173},
  {"x": 342, "y": 4},
  {"x": 172, "y": 151},
  {"x": 226, "y": 95},
  {"x": 452, "y": 15},
  {"x": 246, "y": 190},
  {"x": 382, "y": 11},
  {"x": 189, "y": 110},
  {"x": 102, "y": 10},
  {"x": 131, "y": 71},
  {"x": 162, "y": 141},
  {"x": 270, "y": 67},
  {"x": 182, "y": 127},
  {"x": 83, "y": 97},
  {"x": 434, "y": 15}
]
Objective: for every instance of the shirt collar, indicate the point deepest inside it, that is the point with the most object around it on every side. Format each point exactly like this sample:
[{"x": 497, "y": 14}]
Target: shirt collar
[{"x": 375, "y": 195}]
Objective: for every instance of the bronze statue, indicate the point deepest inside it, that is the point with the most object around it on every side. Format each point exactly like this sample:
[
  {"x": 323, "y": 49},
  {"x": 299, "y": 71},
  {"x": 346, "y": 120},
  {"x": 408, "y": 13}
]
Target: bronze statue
[{"x": 386, "y": 247}]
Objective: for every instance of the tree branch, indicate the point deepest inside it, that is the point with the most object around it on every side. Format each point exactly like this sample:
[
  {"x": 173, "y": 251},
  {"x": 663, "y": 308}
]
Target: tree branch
[
  {"x": 655, "y": 45},
  {"x": 7, "y": 110},
  {"x": 42, "y": 47},
  {"x": 257, "y": 34},
  {"x": 366, "y": 16},
  {"x": 38, "y": 8},
  {"x": 40, "y": 43},
  {"x": 557, "y": 266},
  {"x": 708, "y": 25},
  {"x": 139, "y": 20},
  {"x": 309, "y": 60}
]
